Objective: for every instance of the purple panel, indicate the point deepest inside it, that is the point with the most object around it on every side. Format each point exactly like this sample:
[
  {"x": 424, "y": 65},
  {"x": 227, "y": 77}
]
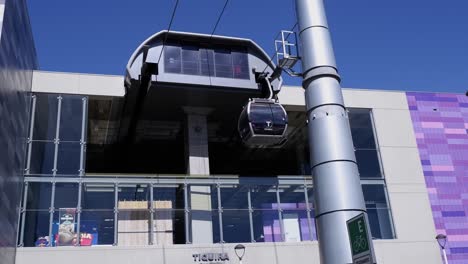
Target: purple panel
[{"x": 440, "y": 123}]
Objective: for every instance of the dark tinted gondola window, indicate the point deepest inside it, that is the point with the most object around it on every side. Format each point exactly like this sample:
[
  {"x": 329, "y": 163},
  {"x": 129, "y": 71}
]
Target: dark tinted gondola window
[{"x": 260, "y": 113}]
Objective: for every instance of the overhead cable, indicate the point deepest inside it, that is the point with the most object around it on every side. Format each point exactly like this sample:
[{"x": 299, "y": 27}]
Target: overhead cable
[
  {"x": 168, "y": 28},
  {"x": 219, "y": 18}
]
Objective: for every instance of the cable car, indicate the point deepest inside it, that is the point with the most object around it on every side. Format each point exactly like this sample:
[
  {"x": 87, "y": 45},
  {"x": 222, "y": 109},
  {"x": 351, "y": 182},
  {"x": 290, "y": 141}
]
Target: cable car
[{"x": 263, "y": 122}]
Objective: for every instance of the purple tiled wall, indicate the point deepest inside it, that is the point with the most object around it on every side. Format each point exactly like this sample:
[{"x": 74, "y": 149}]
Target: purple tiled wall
[{"x": 440, "y": 123}]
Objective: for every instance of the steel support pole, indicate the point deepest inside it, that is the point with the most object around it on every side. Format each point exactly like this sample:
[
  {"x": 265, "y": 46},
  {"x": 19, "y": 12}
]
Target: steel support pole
[{"x": 337, "y": 189}]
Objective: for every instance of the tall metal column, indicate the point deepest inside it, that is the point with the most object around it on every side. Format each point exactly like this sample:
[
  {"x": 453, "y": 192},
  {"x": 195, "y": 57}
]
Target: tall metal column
[{"x": 337, "y": 189}]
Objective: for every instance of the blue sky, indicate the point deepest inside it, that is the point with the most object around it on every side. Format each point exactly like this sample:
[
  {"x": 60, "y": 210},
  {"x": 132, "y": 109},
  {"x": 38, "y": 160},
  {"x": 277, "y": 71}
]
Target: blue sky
[{"x": 415, "y": 45}]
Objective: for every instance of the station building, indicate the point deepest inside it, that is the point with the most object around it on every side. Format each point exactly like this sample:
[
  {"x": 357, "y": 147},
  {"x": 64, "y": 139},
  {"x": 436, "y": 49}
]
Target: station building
[{"x": 148, "y": 167}]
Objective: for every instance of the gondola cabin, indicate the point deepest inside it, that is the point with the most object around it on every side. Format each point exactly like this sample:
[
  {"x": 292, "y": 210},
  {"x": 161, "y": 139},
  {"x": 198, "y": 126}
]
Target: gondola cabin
[{"x": 263, "y": 123}]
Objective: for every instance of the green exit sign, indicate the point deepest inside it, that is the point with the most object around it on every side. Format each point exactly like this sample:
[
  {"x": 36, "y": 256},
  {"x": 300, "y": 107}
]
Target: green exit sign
[{"x": 359, "y": 239}]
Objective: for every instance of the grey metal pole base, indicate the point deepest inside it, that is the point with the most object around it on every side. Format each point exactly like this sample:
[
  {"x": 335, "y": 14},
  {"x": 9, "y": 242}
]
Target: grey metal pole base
[{"x": 337, "y": 190}]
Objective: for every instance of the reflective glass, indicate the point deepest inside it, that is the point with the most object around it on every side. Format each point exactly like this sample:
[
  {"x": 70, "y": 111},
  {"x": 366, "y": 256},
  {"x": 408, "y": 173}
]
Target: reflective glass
[
  {"x": 264, "y": 197},
  {"x": 223, "y": 63},
  {"x": 45, "y": 120},
  {"x": 66, "y": 195},
  {"x": 240, "y": 62},
  {"x": 39, "y": 195},
  {"x": 266, "y": 226},
  {"x": 42, "y": 157},
  {"x": 97, "y": 227},
  {"x": 64, "y": 227},
  {"x": 296, "y": 227},
  {"x": 133, "y": 196},
  {"x": 172, "y": 59},
  {"x": 190, "y": 60},
  {"x": 236, "y": 226},
  {"x": 235, "y": 197},
  {"x": 361, "y": 128},
  {"x": 68, "y": 158},
  {"x": 97, "y": 196},
  {"x": 378, "y": 211},
  {"x": 170, "y": 197},
  {"x": 368, "y": 163},
  {"x": 71, "y": 118},
  {"x": 207, "y": 62},
  {"x": 133, "y": 227},
  {"x": 168, "y": 227},
  {"x": 292, "y": 197},
  {"x": 36, "y": 229}
]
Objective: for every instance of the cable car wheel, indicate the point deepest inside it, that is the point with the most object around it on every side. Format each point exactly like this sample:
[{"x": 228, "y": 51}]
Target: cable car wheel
[{"x": 263, "y": 123}]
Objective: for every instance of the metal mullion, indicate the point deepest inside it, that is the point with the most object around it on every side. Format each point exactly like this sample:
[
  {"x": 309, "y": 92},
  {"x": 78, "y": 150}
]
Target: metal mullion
[
  {"x": 186, "y": 215},
  {"x": 220, "y": 214},
  {"x": 51, "y": 211},
  {"x": 78, "y": 215},
  {"x": 83, "y": 135},
  {"x": 309, "y": 218},
  {"x": 116, "y": 214},
  {"x": 280, "y": 216},
  {"x": 23, "y": 215},
  {"x": 31, "y": 134},
  {"x": 57, "y": 134},
  {"x": 389, "y": 209},
  {"x": 249, "y": 201},
  {"x": 152, "y": 231}
]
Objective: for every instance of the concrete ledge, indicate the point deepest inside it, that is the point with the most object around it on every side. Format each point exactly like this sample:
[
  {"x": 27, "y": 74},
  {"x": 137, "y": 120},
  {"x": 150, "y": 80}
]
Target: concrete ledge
[{"x": 77, "y": 83}]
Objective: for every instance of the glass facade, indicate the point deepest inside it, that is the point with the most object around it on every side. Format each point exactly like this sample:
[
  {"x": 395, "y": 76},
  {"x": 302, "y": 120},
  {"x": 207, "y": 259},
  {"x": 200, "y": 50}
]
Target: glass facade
[
  {"x": 57, "y": 136},
  {"x": 63, "y": 206},
  {"x": 218, "y": 62}
]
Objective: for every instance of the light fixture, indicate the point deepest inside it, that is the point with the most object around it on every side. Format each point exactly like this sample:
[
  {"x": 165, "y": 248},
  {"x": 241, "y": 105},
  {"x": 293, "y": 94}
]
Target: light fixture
[
  {"x": 442, "y": 240},
  {"x": 240, "y": 251}
]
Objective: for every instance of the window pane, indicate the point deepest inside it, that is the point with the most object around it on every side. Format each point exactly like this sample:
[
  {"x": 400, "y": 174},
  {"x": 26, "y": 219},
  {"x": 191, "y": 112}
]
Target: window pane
[
  {"x": 223, "y": 63},
  {"x": 168, "y": 197},
  {"x": 42, "y": 157},
  {"x": 97, "y": 228},
  {"x": 66, "y": 195},
  {"x": 64, "y": 228},
  {"x": 368, "y": 163},
  {"x": 133, "y": 196},
  {"x": 266, "y": 226},
  {"x": 234, "y": 197},
  {"x": 190, "y": 60},
  {"x": 97, "y": 196},
  {"x": 169, "y": 227},
  {"x": 133, "y": 227},
  {"x": 296, "y": 227},
  {"x": 45, "y": 121},
  {"x": 36, "y": 229},
  {"x": 172, "y": 60},
  {"x": 361, "y": 128},
  {"x": 236, "y": 226},
  {"x": 39, "y": 195},
  {"x": 292, "y": 197},
  {"x": 264, "y": 197},
  {"x": 68, "y": 158},
  {"x": 206, "y": 62},
  {"x": 240, "y": 63},
  {"x": 71, "y": 118},
  {"x": 378, "y": 210}
]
